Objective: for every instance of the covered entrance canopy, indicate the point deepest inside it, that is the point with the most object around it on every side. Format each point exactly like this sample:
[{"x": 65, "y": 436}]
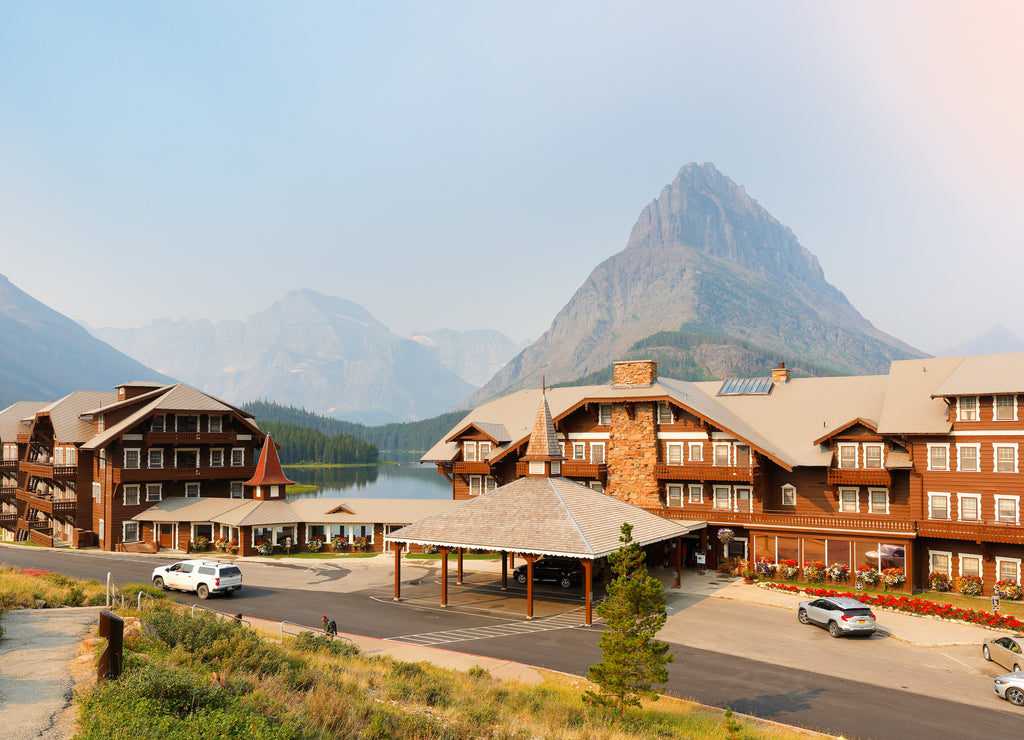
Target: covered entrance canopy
[{"x": 533, "y": 516}]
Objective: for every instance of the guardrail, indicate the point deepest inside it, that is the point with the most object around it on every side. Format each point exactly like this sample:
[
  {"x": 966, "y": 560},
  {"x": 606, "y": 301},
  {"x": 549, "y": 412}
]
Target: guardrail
[
  {"x": 304, "y": 628},
  {"x": 233, "y": 617}
]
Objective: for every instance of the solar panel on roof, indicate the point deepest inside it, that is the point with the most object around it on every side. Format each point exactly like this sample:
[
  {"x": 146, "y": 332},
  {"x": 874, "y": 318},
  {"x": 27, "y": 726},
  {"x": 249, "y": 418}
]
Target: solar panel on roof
[{"x": 746, "y": 387}]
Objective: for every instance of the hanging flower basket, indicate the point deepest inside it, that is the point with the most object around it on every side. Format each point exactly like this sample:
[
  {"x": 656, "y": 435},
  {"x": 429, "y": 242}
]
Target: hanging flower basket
[{"x": 726, "y": 535}]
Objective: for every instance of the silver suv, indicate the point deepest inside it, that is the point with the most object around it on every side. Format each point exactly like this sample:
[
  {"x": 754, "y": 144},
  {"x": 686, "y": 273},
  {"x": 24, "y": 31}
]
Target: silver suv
[
  {"x": 205, "y": 577},
  {"x": 840, "y": 615}
]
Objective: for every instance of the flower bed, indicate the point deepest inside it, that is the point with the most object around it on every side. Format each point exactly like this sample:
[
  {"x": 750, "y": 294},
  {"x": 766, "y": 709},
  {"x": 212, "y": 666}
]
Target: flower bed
[
  {"x": 921, "y": 607},
  {"x": 315, "y": 545},
  {"x": 839, "y": 572},
  {"x": 867, "y": 575},
  {"x": 938, "y": 581},
  {"x": 815, "y": 571},
  {"x": 969, "y": 585},
  {"x": 788, "y": 570},
  {"x": 1008, "y": 590},
  {"x": 764, "y": 567},
  {"x": 893, "y": 577}
]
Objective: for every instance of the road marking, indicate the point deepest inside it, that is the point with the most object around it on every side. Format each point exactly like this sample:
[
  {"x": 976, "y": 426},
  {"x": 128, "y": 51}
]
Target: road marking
[
  {"x": 509, "y": 629},
  {"x": 958, "y": 661}
]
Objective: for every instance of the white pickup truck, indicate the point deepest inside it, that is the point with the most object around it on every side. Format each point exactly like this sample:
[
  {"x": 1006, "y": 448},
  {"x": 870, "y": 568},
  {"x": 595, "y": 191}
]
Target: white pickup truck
[{"x": 205, "y": 577}]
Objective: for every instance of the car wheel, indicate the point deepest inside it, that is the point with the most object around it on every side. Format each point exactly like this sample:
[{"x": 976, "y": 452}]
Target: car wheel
[
  {"x": 833, "y": 629},
  {"x": 521, "y": 577},
  {"x": 203, "y": 592},
  {"x": 565, "y": 582},
  {"x": 984, "y": 651},
  {"x": 159, "y": 583},
  {"x": 802, "y": 616},
  {"x": 1015, "y": 696}
]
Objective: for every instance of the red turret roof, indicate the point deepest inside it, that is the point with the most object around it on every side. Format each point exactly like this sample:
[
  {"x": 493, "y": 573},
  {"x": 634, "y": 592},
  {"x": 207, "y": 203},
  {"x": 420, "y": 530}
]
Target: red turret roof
[{"x": 268, "y": 469}]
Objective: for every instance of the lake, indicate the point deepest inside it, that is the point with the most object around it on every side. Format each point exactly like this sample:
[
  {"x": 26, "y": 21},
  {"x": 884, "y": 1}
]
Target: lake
[{"x": 407, "y": 480}]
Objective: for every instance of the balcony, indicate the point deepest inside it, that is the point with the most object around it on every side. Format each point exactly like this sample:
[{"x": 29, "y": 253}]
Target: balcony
[
  {"x": 8, "y": 494},
  {"x": 179, "y": 438},
  {"x": 475, "y": 467},
  {"x": 790, "y": 521},
  {"x": 149, "y": 475},
  {"x": 980, "y": 531},
  {"x": 859, "y": 477},
  {"x": 8, "y": 465},
  {"x": 8, "y": 520},
  {"x": 583, "y": 469},
  {"x": 707, "y": 472}
]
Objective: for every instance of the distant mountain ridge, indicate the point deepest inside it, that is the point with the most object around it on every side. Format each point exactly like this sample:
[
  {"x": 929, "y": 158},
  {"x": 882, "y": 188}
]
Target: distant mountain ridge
[
  {"x": 474, "y": 355},
  {"x": 995, "y": 341},
  {"x": 706, "y": 256},
  {"x": 44, "y": 355},
  {"x": 308, "y": 350}
]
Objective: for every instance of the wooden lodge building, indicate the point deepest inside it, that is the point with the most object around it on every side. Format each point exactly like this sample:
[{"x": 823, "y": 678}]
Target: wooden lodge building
[{"x": 918, "y": 469}]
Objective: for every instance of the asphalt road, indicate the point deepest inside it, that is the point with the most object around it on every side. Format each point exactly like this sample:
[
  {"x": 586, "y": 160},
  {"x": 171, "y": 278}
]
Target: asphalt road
[{"x": 757, "y": 660}]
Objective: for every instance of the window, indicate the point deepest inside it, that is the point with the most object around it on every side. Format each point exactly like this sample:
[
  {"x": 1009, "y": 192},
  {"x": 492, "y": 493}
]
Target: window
[
  {"x": 186, "y": 458},
  {"x": 1006, "y": 458},
  {"x": 237, "y": 489},
  {"x": 970, "y": 506},
  {"x": 1008, "y": 569},
  {"x": 101, "y": 531},
  {"x": 938, "y": 457},
  {"x": 789, "y": 495},
  {"x": 970, "y": 565},
  {"x": 97, "y": 492},
  {"x": 100, "y": 423},
  {"x": 674, "y": 495},
  {"x": 475, "y": 485},
  {"x": 130, "y": 532},
  {"x": 154, "y": 491},
  {"x": 1006, "y": 408},
  {"x": 131, "y": 495},
  {"x": 1006, "y": 509},
  {"x": 556, "y": 467},
  {"x": 878, "y": 500},
  {"x": 696, "y": 493},
  {"x": 664, "y": 413},
  {"x": 579, "y": 451},
  {"x": 967, "y": 458},
  {"x": 604, "y": 414},
  {"x": 597, "y": 452},
  {"x": 216, "y": 424},
  {"x": 186, "y": 423},
  {"x": 536, "y": 467},
  {"x": 849, "y": 500},
  {"x": 721, "y": 497},
  {"x": 70, "y": 456},
  {"x": 217, "y": 458},
  {"x": 192, "y": 490},
  {"x": 469, "y": 451},
  {"x": 103, "y": 458},
  {"x": 157, "y": 424},
  {"x": 873, "y": 456},
  {"x": 237, "y": 457},
  {"x": 489, "y": 483},
  {"x": 938, "y": 562},
  {"x": 132, "y": 459},
  {"x": 847, "y": 456},
  {"x": 722, "y": 454},
  {"x": 967, "y": 408},
  {"x": 156, "y": 457},
  {"x": 675, "y": 455},
  {"x": 938, "y": 506},
  {"x": 483, "y": 449},
  {"x": 696, "y": 452},
  {"x": 58, "y": 456},
  {"x": 597, "y": 486}
]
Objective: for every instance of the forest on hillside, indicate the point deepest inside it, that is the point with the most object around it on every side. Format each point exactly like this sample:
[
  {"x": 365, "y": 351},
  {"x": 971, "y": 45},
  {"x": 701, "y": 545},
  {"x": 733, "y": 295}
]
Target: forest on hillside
[{"x": 302, "y": 444}]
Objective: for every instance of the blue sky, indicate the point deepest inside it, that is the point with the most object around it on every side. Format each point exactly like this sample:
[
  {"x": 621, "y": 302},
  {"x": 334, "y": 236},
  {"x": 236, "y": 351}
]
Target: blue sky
[{"x": 466, "y": 165}]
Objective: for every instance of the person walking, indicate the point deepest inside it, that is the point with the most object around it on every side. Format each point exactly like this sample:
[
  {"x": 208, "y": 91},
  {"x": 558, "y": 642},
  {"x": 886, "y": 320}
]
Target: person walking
[{"x": 330, "y": 628}]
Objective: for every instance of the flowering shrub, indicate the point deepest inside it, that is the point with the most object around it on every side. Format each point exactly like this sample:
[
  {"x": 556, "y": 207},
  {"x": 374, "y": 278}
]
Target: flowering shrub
[
  {"x": 726, "y": 535},
  {"x": 265, "y": 547},
  {"x": 361, "y": 543},
  {"x": 914, "y": 606},
  {"x": 1008, "y": 590},
  {"x": 764, "y": 567},
  {"x": 201, "y": 543},
  {"x": 839, "y": 572},
  {"x": 316, "y": 544},
  {"x": 893, "y": 577},
  {"x": 938, "y": 581},
  {"x": 969, "y": 585},
  {"x": 221, "y": 543},
  {"x": 788, "y": 570},
  {"x": 867, "y": 575},
  {"x": 814, "y": 571},
  {"x": 232, "y": 545},
  {"x": 339, "y": 544}
]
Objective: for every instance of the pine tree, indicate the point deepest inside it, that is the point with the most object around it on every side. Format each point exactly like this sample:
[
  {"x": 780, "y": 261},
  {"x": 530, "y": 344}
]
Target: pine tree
[{"x": 634, "y": 611}]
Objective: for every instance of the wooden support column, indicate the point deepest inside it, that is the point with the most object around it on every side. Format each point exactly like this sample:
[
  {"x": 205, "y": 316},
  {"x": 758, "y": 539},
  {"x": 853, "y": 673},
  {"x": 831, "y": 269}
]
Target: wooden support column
[
  {"x": 588, "y": 588},
  {"x": 504, "y": 570},
  {"x": 529, "y": 585},
  {"x": 444, "y": 577},
  {"x": 677, "y": 556},
  {"x": 458, "y": 578},
  {"x": 398, "y": 570},
  {"x": 908, "y": 567}
]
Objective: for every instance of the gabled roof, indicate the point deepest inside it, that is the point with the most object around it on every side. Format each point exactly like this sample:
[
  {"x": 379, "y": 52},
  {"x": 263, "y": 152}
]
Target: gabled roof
[
  {"x": 11, "y": 419},
  {"x": 495, "y": 432},
  {"x": 66, "y": 414},
  {"x": 910, "y": 406},
  {"x": 980, "y": 375},
  {"x": 542, "y": 516},
  {"x": 872, "y": 425},
  {"x": 238, "y": 512},
  {"x": 268, "y": 469}
]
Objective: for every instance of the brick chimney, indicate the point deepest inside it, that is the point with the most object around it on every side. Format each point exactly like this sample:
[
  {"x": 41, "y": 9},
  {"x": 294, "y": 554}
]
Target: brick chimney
[
  {"x": 780, "y": 374},
  {"x": 629, "y": 373}
]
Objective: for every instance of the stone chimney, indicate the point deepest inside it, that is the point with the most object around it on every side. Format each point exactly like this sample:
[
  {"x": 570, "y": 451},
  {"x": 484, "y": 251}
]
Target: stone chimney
[
  {"x": 634, "y": 373},
  {"x": 780, "y": 375}
]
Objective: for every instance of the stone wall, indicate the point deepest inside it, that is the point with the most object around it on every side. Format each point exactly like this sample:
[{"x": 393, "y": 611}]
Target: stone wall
[
  {"x": 632, "y": 454},
  {"x": 635, "y": 372}
]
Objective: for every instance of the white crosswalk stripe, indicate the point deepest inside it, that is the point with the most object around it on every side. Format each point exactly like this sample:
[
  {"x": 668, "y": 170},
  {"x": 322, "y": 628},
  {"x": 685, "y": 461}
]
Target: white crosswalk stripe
[{"x": 508, "y": 629}]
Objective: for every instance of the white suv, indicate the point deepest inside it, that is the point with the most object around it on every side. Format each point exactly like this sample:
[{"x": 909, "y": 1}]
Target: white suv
[{"x": 205, "y": 577}]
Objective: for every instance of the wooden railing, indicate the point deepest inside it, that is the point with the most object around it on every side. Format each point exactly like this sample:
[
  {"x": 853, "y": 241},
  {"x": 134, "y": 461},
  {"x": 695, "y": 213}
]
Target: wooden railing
[
  {"x": 8, "y": 519},
  {"x": 177, "y": 438},
  {"x": 136, "y": 475},
  {"x": 982, "y": 531},
  {"x": 475, "y": 467},
  {"x": 706, "y": 472},
  {"x": 859, "y": 477},
  {"x": 8, "y": 465},
  {"x": 787, "y": 521},
  {"x": 583, "y": 469}
]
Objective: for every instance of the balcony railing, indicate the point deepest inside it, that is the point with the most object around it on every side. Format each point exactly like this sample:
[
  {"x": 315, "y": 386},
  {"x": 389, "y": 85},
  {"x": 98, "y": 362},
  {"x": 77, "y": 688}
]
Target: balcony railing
[
  {"x": 787, "y": 521},
  {"x": 980, "y": 531},
  {"x": 583, "y": 469},
  {"x": 8, "y": 519},
  {"x": 859, "y": 477},
  {"x": 707, "y": 472},
  {"x": 9, "y": 465},
  {"x": 177, "y": 438},
  {"x": 8, "y": 494},
  {"x": 475, "y": 467},
  {"x": 137, "y": 475}
]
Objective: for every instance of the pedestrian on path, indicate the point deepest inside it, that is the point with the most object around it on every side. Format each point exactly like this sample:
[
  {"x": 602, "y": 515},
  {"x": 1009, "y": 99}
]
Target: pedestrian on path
[{"x": 330, "y": 628}]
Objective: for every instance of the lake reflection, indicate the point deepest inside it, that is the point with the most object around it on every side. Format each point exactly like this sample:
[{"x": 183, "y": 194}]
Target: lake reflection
[{"x": 372, "y": 481}]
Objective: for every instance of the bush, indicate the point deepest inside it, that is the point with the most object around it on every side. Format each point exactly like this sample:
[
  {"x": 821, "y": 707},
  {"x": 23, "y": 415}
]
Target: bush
[
  {"x": 893, "y": 577},
  {"x": 938, "y": 581},
  {"x": 316, "y": 642},
  {"x": 788, "y": 570},
  {"x": 867, "y": 575},
  {"x": 839, "y": 572},
  {"x": 814, "y": 571},
  {"x": 1008, "y": 590}
]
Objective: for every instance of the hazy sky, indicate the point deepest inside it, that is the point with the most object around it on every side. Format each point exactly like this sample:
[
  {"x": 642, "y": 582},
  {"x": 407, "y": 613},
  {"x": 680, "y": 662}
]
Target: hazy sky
[{"x": 466, "y": 165}]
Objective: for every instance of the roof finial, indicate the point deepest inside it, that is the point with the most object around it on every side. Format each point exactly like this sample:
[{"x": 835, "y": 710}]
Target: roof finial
[{"x": 543, "y": 384}]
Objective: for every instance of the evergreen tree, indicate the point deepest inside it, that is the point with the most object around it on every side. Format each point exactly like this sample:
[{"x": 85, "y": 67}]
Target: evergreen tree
[{"x": 634, "y": 611}]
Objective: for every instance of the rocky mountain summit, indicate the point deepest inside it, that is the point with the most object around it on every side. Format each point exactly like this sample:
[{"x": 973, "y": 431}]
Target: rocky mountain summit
[{"x": 704, "y": 256}]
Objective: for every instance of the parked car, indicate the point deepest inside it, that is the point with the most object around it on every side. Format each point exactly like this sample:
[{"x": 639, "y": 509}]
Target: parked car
[
  {"x": 840, "y": 615},
  {"x": 1011, "y": 687},
  {"x": 565, "y": 572},
  {"x": 1006, "y": 651},
  {"x": 205, "y": 577}
]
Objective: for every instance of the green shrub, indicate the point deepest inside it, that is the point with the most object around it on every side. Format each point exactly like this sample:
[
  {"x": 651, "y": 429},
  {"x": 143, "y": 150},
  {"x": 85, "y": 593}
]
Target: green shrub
[{"x": 315, "y": 642}]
